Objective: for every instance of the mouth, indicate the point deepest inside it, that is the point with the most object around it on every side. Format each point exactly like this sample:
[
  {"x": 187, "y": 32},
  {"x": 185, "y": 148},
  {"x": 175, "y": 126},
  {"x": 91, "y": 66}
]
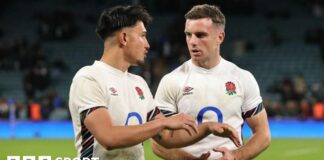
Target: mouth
[{"x": 195, "y": 52}]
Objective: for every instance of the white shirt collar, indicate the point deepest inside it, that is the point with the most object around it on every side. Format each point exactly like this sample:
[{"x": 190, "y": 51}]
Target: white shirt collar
[
  {"x": 204, "y": 70},
  {"x": 110, "y": 68}
]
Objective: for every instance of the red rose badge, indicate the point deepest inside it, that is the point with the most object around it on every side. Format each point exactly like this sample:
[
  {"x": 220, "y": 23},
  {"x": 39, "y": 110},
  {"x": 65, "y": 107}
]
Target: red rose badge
[
  {"x": 140, "y": 93},
  {"x": 230, "y": 88}
]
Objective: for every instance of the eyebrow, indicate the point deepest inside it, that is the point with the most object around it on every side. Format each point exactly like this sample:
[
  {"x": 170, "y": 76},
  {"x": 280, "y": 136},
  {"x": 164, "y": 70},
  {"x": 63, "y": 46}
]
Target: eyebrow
[{"x": 199, "y": 32}]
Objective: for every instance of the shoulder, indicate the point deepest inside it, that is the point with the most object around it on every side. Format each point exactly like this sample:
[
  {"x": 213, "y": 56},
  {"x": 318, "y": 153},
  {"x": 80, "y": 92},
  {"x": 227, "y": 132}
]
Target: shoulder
[
  {"x": 85, "y": 72},
  {"x": 178, "y": 73},
  {"x": 237, "y": 71},
  {"x": 90, "y": 73}
]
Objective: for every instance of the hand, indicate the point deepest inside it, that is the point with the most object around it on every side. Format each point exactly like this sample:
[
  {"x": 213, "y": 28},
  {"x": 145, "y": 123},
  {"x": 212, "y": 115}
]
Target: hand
[
  {"x": 182, "y": 155},
  {"x": 181, "y": 121},
  {"x": 203, "y": 156},
  {"x": 178, "y": 154},
  {"x": 225, "y": 130},
  {"x": 227, "y": 154}
]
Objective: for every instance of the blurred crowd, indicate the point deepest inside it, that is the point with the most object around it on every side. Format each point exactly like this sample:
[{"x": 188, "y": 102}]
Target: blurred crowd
[
  {"x": 289, "y": 97},
  {"x": 32, "y": 62},
  {"x": 296, "y": 99}
]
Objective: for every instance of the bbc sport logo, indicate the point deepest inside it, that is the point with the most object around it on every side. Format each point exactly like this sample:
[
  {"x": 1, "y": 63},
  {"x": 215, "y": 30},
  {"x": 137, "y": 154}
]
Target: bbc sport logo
[{"x": 48, "y": 158}]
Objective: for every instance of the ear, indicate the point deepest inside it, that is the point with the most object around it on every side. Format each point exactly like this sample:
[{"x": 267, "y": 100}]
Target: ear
[
  {"x": 221, "y": 36},
  {"x": 122, "y": 38}
]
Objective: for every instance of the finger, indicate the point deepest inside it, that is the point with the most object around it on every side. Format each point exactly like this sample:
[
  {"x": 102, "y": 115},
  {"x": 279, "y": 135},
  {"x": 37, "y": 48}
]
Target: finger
[
  {"x": 234, "y": 136},
  {"x": 193, "y": 126},
  {"x": 188, "y": 129},
  {"x": 189, "y": 118},
  {"x": 172, "y": 133},
  {"x": 236, "y": 140},
  {"x": 220, "y": 149},
  {"x": 205, "y": 155},
  {"x": 191, "y": 122}
]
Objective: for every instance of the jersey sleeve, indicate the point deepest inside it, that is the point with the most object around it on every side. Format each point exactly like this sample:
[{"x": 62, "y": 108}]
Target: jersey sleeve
[
  {"x": 165, "y": 97},
  {"x": 153, "y": 110},
  {"x": 87, "y": 94},
  {"x": 252, "y": 97}
]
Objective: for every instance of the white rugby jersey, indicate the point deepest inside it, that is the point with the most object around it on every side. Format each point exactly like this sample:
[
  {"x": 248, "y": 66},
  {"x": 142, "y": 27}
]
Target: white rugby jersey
[
  {"x": 127, "y": 98},
  {"x": 224, "y": 93}
]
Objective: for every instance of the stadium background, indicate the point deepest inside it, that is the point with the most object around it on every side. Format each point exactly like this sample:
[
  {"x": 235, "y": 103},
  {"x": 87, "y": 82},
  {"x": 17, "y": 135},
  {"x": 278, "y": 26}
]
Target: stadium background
[{"x": 44, "y": 42}]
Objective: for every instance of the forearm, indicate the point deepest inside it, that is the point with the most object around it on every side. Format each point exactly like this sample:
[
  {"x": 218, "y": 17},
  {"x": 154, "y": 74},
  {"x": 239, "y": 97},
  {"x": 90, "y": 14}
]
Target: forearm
[
  {"x": 254, "y": 146},
  {"x": 125, "y": 136},
  {"x": 259, "y": 141},
  {"x": 181, "y": 138},
  {"x": 170, "y": 154},
  {"x": 111, "y": 137}
]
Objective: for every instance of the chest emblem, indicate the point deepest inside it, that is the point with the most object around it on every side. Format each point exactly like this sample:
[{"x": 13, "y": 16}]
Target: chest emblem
[
  {"x": 113, "y": 91},
  {"x": 187, "y": 90},
  {"x": 230, "y": 88},
  {"x": 140, "y": 93}
]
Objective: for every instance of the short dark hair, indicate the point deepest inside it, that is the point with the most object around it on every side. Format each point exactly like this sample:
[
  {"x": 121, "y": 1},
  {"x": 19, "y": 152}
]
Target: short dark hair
[
  {"x": 118, "y": 17},
  {"x": 207, "y": 11}
]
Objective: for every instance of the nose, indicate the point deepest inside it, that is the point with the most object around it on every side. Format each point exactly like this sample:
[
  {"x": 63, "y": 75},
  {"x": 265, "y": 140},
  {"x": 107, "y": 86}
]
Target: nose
[
  {"x": 147, "y": 45},
  {"x": 192, "y": 40}
]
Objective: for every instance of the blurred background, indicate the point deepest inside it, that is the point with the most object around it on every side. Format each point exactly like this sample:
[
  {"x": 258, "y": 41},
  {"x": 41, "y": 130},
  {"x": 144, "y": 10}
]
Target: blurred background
[{"x": 44, "y": 42}]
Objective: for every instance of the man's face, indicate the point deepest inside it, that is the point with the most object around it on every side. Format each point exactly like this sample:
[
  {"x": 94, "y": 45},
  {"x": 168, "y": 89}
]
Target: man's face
[
  {"x": 137, "y": 44},
  {"x": 203, "y": 39}
]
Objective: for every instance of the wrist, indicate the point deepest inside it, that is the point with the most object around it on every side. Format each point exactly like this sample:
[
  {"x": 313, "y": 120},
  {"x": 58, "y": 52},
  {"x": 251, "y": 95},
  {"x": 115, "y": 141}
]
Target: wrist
[
  {"x": 159, "y": 124},
  {"x": 236, "y": 154},
  {"x": 209, "y": 126}
]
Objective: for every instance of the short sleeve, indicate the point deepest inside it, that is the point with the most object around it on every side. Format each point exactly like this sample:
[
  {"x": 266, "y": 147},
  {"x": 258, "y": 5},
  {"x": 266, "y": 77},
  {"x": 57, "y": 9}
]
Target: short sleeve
[
  {"x": 86, "y": 93},
  {"x": 252, "y": 97},
  {"x": 165, "y": 96}
]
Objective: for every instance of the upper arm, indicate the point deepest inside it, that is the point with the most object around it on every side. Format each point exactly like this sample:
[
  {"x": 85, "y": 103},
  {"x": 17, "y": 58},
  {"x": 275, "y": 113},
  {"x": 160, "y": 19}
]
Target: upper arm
[
  {"x": 89, "y": 100},
  {"x": 259, "y": 122},
  {"x": 252, "y": 97},
  {"x": 165, "y": 96},
  {"x": 86, "y": 93},
  {"x": 98, "y": 123},
  {"x": 253, "y": 110}
]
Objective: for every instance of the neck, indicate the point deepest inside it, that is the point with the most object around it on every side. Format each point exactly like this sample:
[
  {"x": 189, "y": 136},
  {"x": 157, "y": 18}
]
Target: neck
[
  {"x": 209, "y": 63},
  {"x": 113, "y": 56}
]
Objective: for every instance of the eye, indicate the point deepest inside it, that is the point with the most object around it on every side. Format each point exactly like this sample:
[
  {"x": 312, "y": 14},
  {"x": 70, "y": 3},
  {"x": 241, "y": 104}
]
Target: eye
[
  {"x": 201, "y": 35},
  {"x": 144, "y": 34},
  {"x": 188, "y": 34}
]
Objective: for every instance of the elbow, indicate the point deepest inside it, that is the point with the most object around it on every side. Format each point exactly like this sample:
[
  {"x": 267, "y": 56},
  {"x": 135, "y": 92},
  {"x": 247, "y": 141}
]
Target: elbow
[
  {"x": 155, "y": 148},
  {"x": 267, "y": 140},
  {"x": 164, "y": 142},
  {"x": 115, "y": 143},
  {"x": 109, "y": 147},
  {"x": 165, "y": 145},
  {"x": 110, "y": 144},
  {"x": 158, "y": 149}
]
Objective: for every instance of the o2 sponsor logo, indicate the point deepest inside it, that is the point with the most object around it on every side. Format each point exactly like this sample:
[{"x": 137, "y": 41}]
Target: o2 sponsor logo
[
  {"x": 202, "y": 112},
  {"x": 135, "y": 115}
]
